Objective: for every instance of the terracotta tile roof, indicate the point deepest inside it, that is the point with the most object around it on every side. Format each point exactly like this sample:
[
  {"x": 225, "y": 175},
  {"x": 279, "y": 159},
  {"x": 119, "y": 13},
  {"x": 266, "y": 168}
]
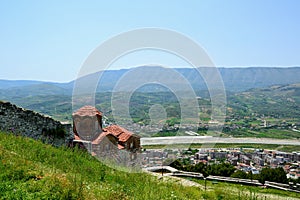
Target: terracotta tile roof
[
  {"x": 119, "y": 132},
  {"x": 98, "y": 139},
  {"x": 76, "y": 137},
  {"x": 87, "y": 111},
  {"x": 101, "y": 137},
  {"x": 120, "y": 146}
]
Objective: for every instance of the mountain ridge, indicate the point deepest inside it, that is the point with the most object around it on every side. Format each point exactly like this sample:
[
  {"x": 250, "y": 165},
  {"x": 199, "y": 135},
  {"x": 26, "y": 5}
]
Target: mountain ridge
[{"x": 234, "y": 79}]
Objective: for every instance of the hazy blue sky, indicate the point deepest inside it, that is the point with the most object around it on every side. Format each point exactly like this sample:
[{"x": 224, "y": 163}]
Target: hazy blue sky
[{"x": 49, "y": 40}]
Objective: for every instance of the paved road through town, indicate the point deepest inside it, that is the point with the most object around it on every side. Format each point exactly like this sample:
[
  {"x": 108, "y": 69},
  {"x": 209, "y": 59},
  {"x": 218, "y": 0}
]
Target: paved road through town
[{"x": 213, "y": 140}]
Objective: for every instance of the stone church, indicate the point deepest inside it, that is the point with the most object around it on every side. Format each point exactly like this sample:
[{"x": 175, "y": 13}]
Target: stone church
[{"x": 103, "y": 142}]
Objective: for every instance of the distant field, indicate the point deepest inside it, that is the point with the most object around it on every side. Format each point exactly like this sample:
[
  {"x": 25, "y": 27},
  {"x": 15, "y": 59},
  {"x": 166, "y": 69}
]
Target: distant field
[{"x": 266, "y": 133}]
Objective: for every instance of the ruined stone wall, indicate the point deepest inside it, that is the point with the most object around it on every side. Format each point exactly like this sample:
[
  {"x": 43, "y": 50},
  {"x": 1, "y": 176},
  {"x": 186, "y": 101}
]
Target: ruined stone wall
[{"x": 31, "y": 124}]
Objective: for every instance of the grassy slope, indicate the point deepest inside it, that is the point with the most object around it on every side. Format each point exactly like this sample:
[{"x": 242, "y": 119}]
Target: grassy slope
[
  {"x": 32, "y": 170},
  {"x": 221, "y": 189}
]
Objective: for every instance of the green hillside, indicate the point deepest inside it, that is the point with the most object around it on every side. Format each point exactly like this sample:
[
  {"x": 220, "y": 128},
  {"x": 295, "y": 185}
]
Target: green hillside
[
  {"x": 280, "y": 101},
  {"x": 30, "y": 169}
]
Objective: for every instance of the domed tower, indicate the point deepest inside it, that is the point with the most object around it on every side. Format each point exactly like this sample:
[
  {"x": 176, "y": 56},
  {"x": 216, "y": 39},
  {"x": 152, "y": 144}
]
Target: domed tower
[{"x": 87, "y": 123}]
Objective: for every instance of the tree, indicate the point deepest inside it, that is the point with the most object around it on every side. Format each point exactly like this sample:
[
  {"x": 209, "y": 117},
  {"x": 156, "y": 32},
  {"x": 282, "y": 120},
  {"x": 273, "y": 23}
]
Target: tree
[
  {"x": 240, "y": 174},
  {"x": 277, "y": 175},
  {"x": 200, "y": 167},
  {"x": 250, "y": 175},
  {"x": 176, "y": 164},
  {"x": 223, "y": 169}
]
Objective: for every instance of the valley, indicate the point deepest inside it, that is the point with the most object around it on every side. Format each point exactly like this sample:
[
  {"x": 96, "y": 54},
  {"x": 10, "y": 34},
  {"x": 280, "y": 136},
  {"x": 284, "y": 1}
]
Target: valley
[{"x": 270, "y": 112}]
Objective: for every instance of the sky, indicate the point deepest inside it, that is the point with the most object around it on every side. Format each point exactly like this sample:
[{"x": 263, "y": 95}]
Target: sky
[{"x": 50, "y": 40}]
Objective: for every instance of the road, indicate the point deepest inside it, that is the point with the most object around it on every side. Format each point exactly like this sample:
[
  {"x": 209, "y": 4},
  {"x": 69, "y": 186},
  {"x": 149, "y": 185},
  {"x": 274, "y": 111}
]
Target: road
[
  {"x": 213, "y": 140},
  {"x": 293, "y": 129}
]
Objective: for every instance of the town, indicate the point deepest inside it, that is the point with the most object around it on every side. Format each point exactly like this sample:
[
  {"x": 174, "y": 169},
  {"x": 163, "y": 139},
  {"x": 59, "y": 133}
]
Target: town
[
  {"x": 124, "y": 147},
  {"x": 246, "y": 160}
]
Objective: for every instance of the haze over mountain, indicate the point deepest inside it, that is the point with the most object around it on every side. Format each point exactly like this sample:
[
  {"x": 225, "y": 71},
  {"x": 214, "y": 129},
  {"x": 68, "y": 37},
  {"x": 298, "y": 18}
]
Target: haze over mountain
[{"x": 235, "y": 80}]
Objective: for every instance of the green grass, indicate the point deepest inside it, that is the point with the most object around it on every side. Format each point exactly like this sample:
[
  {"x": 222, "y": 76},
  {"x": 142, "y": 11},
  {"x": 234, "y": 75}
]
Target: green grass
[
  {"x": 242, "y": 191},
  {"x": 30, "y": 169},
  {"x": 277, "y": 133},
  {"x": 265, "y": 133}
]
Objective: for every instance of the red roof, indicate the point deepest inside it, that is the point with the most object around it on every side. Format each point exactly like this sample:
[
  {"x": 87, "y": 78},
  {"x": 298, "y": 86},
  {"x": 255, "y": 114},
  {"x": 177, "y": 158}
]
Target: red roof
[
  {"x": 76, "y": 137},
  {"x": 101, "y": 137},
  {"x": 119, "y": 132},
  {"x": 98, "y": 139},
  {"x": 87, "y": 111}
]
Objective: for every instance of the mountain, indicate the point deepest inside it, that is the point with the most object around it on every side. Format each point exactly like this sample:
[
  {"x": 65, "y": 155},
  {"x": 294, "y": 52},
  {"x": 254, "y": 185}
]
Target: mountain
[
  {"x": 279, "y": 101},
  {"x": 5, "y": 84},
  {"x": 241, "y": 79},
  {"x": 34, "y": 90},
  {"x": 235, "y": 80}
]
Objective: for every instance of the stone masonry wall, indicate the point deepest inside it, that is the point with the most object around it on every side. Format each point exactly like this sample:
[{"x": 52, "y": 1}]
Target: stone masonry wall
[{"x": 31, "y": 124}]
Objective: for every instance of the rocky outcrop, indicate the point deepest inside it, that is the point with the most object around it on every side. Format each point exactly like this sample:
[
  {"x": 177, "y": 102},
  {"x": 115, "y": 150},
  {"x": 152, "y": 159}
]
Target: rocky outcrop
[{"x": 28, "y": 123}]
